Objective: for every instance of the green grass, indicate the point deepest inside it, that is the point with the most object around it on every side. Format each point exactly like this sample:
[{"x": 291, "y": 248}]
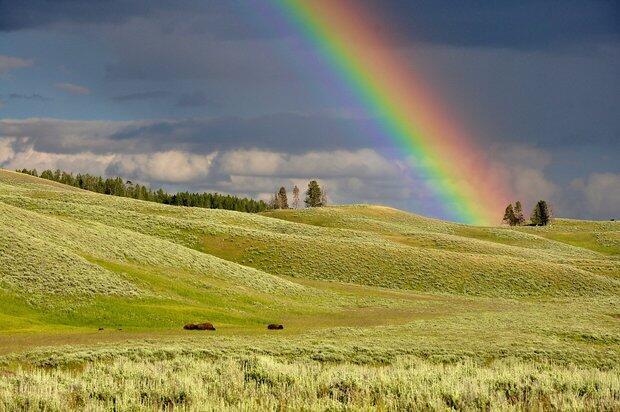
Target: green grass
[
  {"x": 364, "y": 292},
  {"x": 265, "y": 383}
]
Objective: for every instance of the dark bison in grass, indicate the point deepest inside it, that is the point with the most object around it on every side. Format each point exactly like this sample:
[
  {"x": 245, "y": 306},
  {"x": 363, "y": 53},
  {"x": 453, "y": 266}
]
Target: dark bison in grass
[
  {"x": 199, "y": 326},
  {"x": 273, "y": 326}
]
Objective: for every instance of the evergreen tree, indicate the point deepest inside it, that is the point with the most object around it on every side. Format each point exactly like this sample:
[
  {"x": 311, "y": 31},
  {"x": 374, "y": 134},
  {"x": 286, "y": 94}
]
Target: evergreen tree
[
  {"x": 535, "y": 217},
  {"x": 509, "y": 215},
  {"x": 541, "y": 215},
  {"x": 295, "y": 197},
  {"x": 118, "y": 187},
  {"x": 518, "y": 212},
  {"x": 282, "y": 199},
  {"x": 313, "y": 195}
]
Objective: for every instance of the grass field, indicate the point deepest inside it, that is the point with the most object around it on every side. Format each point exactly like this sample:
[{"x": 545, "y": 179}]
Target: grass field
[{"x": 382, "y": 309}]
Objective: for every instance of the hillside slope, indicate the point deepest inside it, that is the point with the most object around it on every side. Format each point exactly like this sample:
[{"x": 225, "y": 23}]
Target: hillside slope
[{"x": 73, "y": 259}]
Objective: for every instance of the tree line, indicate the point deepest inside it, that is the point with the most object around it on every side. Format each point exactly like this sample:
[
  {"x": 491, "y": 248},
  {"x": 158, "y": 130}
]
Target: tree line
[
  {"x": 116, "y": 186},
  {"x": 541, "y": 214},
  {"x": 315, "y": 197}
]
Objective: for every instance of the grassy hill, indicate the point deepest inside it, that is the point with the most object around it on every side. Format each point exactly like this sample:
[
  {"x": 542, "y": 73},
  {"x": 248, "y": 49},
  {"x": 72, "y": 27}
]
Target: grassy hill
[{"x": 363, "y": 284}]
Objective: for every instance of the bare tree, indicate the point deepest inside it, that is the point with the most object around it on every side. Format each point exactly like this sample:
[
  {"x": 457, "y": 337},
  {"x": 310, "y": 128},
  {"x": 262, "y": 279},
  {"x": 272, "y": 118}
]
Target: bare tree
[
  {"x": 273, "y": 202},
  {"x": 295, "y": 203}
]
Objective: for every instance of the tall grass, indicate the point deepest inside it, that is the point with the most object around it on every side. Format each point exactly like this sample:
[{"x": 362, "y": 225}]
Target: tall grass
[
  {"x": 265, "y": 383},
  {"x": 458, "y": 316},
  {"x": 367, "y": 245}
]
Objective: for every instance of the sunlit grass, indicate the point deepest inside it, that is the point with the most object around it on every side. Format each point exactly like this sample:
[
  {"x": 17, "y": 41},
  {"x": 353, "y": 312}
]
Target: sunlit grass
[
  {"x": 428, "y": 314},
  {"x": 265, "y": 383}
]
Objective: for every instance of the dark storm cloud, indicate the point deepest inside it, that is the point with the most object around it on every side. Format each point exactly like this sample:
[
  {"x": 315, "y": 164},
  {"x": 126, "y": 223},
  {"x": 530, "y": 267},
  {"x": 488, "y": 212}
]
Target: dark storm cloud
[
  {"x": 514, "y": 73},
  {"x": 28, "y": 14},
  {"x": 526, "y": 24},
  {"x": 140, "y": 96},
  {"x": 226, "y": 20},
  {"x": 292, "y": 133},
  {"x": 194, "y": 99},
  {"x": 520, "y": 24},
  {"x": 33, "y": 96},
  {"x": 178, "y": 55},
  {"x": 286, "y": 132}
]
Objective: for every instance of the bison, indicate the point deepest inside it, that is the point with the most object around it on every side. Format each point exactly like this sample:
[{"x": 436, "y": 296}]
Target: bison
[
  {"x": 273, "y": 326},
  {"x": 199, "y": 326}
]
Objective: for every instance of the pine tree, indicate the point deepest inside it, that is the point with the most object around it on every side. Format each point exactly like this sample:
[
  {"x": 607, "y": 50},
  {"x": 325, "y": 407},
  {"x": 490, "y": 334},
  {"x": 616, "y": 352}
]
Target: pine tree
[
  {"x": 295, "y": 197},
  {"x": 541, "y": 215},
  {"x": 282, "y": 199},
  {"x": 535, "y": 217},
  {"x": 313, "y": 195},
  {"x": 518, "y": 211},
  {"x": 119, "y": 187},
  {"x": 509, "y": 215},
  {"x": 545, "y": 213}
]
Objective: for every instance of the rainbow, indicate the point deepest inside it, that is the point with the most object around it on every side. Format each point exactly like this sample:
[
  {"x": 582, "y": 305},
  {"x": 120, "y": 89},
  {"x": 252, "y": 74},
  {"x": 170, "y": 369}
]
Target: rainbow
[{"x": 454, "y": 171}]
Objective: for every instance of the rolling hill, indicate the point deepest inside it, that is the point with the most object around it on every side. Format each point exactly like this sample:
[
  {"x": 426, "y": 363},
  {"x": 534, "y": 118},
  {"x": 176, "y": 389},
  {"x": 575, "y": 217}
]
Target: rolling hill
[
  {"x": 63, "y": 248},
  {"x": 363, "y": 284}
]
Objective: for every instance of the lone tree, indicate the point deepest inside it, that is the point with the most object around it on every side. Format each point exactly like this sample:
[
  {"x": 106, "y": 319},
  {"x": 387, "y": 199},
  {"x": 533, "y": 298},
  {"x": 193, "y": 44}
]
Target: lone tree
[
  {"x": 519, "y": 218},
  {"x": 324, "y": 196},
  {"x": 541, "y": 215},
  {"x": 281, "y": 198},
  {"x": 509, "y": 215},
  {"x": 295, "y": 197},
  {"x": 313, "y": 195}
]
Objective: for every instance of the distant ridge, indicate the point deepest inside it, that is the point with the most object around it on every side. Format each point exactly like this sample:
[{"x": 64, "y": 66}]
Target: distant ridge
[{"x": 116, "y": 186}]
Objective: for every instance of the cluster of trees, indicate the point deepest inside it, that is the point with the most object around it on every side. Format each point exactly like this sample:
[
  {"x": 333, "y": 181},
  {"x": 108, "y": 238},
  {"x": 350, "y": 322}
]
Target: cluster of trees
[
  {"x": 315, "y": 197},
  {"x": 541, "y": 215},
  {"x": 118, "y": 187}
]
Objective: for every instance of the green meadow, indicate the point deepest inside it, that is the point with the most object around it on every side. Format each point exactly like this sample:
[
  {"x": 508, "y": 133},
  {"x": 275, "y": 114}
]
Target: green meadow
[{"x": 382, "y": 309}]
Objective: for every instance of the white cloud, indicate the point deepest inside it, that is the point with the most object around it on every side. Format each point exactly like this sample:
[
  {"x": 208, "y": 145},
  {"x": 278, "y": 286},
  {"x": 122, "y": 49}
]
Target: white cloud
[
  {"x": 363, "y": 163},
  {"x": 600, "y": 193},
  {"x": 16, "y": 155},
  {"x": 532, "y": 185},
  {"x": 71, "y": 88},
  {"x": 9, "y": 63},
  {"x": 161, "y": 167},
  {"x": 355, "y": 175},
  {"x": 168, "y": 167},
  {"x": 6, "y": 149},
  {"x": 522, "y": 168}
]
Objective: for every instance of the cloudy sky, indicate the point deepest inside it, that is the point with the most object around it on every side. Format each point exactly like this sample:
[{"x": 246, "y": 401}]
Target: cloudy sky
[{"x": 219, "y": 96}]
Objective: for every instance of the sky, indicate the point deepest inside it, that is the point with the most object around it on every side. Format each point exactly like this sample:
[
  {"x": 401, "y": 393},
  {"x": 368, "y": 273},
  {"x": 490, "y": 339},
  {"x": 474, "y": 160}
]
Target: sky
[{"x": 229, "y": 97}]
